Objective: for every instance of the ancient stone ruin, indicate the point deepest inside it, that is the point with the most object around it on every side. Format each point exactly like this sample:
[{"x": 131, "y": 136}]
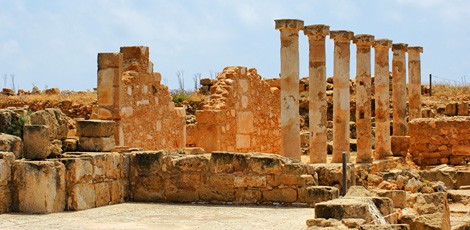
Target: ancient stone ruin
[{"x": 246, "y": 142}]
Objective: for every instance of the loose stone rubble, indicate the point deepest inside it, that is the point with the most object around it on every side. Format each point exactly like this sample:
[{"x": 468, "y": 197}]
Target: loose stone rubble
[{"x": 244, "y": 145}]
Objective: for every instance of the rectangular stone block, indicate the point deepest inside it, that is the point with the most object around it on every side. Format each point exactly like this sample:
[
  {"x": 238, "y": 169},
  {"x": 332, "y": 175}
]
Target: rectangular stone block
[
  {"x": 248, "y": 196},
  {"x": 95, "y": 128},
  {"x": 462, "y": 109},
  {"x": 81, "y": 197},
  {"x": 6, "y": 162},
  {"x": 96, "y": 144},
  {"x": 281, "y": 195},
  {"x": 225, "y": 162},
  {"x": 266, "y": 163},
  {"x": 147, "y": 189},
  {"x": 5, "y": 198},
  {"x": 400, "y": 145},
  {"x": 317, "y": 194},
  {"x": 113, "y": 165},
  {"x": 78, "y": 170},
  {"x": 343, "y": 208},
  {"x": 109, "y": 60},
  {"x": 116, "y": 189},
  {"x": 145, "y": 163},
  {"x": 102, "y": 194},
  {"x": 398, "y": 197},
  {"x": 39, "y": 186},
  {"x": 250, "y": 181}
]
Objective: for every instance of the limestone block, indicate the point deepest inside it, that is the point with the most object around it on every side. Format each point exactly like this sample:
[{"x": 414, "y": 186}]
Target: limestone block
[
  {"x": 290, "y": 179},
  {"x": 11, "y": 143},
  {"x": 282, "y": 195},
  {"x": 102, "y": 194},
  {"x": 400, "y": 145},
  {"x": 245, "y": 122},
  {"x": 98, "y": 160},
  {"x": 451, "y": 109},
  {"x": 216, "y": 194},
  {"x": 81, "y": 196},
  {"x": 398, "y": 197},
  {"x": 343, "y": 208},
  {"x": 95, "y": 128},
  {"x": 147, "y": 189},
  {"x": 250, "y": 181},
  {"x": 113, "y": 163},
  {"x": 197, "y": 163},
  {"x": 96, "y": 144},
  {"x": 462, "y": 109},
  {"x": 116, "y": 189},
  {"x": 37, "y": 144},
  {"x": 109, "y": 60},
  {"x": 39, "y": 186},
  {"x": 316, "y": 194},
  {"x": 145, "y": 163},
  {"x": 78, "y": 170},
  {"x": 6, "y": 161},
  {"x": 225, "y": 162},
  {"x": 54, "y": 118},
  {"x": 267, "y": 163},
  {"x": 248, "y": 196}
]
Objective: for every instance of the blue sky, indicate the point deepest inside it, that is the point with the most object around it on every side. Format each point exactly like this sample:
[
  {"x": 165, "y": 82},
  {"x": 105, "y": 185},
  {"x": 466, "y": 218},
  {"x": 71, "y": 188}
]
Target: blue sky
[{"x": 54, "y": 43}]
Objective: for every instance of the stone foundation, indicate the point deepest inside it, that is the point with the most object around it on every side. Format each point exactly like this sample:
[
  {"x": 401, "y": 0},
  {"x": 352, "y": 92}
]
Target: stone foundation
[
  {"x": 223, "y": 177},
  {"x": 440, "y": 141}
]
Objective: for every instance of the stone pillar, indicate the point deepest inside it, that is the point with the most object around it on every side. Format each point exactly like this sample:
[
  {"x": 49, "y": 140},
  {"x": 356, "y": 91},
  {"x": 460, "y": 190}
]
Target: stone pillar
[
  {"x": 414, "y": 81},
  {"x": 363, "y": 97},
  {"x": 317, "y": 108},
  {"x": 382, "y": 97},
  {"x": 341, "y": 97},
  {"x": 400, "y": 126},
  {"x": 110, "y": 92},
  {"x": 290, "y": 119},
  {"x": 399, "y": 141}
]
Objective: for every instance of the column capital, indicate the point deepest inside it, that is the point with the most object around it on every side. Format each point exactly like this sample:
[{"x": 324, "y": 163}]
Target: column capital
[
  {"x": 341, "y": 35},
  {"x": 317, "y": 31},
  {"x": 363, "y": 39},
  {"x": 417, "y": 49},
  {"x": 382, "y": 43},
  {"x": 289, "y": 24},
  {"x": 399, "y": 46}
]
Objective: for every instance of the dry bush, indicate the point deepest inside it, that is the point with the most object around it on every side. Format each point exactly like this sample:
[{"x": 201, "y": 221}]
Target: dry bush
[{"x": 450, "y": 90}]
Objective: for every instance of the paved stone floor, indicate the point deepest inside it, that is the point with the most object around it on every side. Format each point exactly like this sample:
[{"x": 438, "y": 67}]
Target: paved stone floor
[{"x": 165, "y": 216}]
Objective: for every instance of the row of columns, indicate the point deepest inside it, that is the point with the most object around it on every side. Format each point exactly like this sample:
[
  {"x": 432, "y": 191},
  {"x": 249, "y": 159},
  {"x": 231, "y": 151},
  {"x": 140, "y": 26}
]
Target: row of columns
[{"x": 290, "y": 128}]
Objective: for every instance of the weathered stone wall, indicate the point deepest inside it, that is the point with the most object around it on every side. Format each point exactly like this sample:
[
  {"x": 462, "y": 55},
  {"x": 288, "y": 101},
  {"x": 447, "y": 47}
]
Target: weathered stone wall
[
  {"x": 440, "y": 141},
  {"x": 242, "y": 115},
  {"x": 130, "y": 93},
  {"x": 242, "y": 178},
  {"x": 6, "y": 162},
  {"x": 94, "y": 179}
]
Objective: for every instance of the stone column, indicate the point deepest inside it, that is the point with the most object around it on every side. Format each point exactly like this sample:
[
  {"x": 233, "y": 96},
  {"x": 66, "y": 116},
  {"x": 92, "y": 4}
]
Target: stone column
[
  {"x": 400, "y": 126},
  {"x": 363, "y": 97},
  {"x": 382, "y": 97},
  {"x": 317, "y": 108},
  {"x": 341, "y": 97},
  {"x": 414, "y": 81},
  {"x": 290, "y": 119}
]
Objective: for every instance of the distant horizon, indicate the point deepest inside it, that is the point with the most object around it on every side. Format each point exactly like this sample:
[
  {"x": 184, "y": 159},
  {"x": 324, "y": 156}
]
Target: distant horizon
[{"x": 55, "y": 43}]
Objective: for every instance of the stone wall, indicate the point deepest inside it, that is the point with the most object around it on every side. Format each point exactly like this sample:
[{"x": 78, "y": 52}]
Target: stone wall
[
  {"x": 241, "y": 178},
  {"x": 130, "y": 93},
  {"x": 6, "y": 162},
  {"x": 242, "y": 114},
  {"x": 440, "y": 141},
  {"x": 77, "y": 181}
]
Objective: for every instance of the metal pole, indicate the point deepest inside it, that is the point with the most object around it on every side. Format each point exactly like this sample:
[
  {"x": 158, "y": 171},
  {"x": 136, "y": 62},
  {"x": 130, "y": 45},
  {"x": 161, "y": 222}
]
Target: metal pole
[
  {"x": 345, "y": 175},
  {"x": 430, "y": 84}
]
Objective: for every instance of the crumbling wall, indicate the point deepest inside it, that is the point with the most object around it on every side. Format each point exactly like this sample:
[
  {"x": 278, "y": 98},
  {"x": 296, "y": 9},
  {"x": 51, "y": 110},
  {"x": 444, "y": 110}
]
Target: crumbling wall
[
  {"x": 440, "y": 141},
  {"x": 130, "y": 93},
  {"x": 242, "y": 115},
  {"x": 243, "y": 178}
]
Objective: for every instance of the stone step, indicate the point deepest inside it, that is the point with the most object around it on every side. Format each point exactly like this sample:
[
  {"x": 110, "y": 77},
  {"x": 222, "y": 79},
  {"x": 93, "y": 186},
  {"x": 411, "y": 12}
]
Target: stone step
[{"x": 459, "y": 196}]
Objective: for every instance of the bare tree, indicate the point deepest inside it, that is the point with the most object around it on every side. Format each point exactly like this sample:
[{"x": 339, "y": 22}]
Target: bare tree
[
  {"x": 197, "y": 79},
  {"x": 180, "y": 76},
  {"x": 12, "y": 76}
]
